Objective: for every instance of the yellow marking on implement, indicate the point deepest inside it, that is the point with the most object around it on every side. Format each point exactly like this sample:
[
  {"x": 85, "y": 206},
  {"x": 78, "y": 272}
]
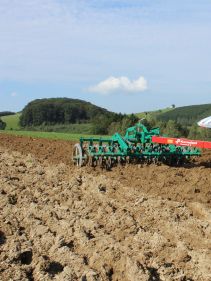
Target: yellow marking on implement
[{"x": 170, "y": 141}]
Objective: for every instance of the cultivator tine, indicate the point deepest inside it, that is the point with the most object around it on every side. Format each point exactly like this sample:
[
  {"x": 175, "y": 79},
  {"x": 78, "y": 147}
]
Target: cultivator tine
[
  {"x": 100, "y": 162},
  {"x": 128, "y": 160},
  {"x": 108, "y": 163}
]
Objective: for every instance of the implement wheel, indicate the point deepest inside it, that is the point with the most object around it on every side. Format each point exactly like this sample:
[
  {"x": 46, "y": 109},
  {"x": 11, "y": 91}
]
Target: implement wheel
[{"x": 77, "y": 156}]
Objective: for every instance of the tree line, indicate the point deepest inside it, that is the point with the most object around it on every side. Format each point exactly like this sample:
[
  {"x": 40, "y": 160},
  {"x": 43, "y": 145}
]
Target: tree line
[{"x": 5, "y": 113}]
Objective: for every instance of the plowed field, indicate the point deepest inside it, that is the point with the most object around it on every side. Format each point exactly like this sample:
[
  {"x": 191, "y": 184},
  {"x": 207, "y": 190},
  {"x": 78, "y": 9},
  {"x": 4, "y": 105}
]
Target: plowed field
[{"x": 58, "y": 222}]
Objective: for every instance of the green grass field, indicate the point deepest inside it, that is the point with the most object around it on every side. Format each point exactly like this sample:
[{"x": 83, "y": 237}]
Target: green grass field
[
  {"x": 49, "y": 135},
  {"x": 12, "y": 121}
]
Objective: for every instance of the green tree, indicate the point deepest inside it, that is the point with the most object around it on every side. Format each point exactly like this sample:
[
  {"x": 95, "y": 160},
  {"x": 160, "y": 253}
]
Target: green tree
[
  {"x": 174, "y": 129},
  {"x": 114, "y": 127},
  {"x": 194, "y": 132},
  {"x": 100, "y": 125}
]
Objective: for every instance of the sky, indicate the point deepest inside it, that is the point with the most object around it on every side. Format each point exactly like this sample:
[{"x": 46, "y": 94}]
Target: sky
[{"x": 124, "y": 55}]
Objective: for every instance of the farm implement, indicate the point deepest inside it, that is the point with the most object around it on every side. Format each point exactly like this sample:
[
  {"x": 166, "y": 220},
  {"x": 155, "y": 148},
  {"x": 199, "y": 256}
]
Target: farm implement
[{"x": 139, "y": 145}]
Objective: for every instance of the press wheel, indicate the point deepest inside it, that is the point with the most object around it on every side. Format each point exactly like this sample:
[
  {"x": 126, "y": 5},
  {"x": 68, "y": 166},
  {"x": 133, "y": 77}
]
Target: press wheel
[{"x": 77, "y": 156}]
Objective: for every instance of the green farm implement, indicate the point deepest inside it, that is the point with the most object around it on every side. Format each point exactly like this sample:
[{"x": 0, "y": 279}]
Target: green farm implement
[{"x": 139, "y": 145}]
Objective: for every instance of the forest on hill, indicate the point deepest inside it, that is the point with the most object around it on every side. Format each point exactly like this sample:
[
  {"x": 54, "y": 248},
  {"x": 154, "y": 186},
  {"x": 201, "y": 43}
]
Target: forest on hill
[
  {"x": 182, "y": 121},
  {"x": 50, "y": 114},
  {"x": 59, "y": 111},
  {"x": 186, "y": 115}
]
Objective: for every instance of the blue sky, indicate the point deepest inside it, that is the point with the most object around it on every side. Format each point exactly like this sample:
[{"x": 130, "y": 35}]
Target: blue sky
[{"x": 127, "y": 56}]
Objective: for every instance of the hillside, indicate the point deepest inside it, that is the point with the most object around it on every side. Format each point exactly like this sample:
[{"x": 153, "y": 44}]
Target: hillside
[
  {"x": 59, "y": 111},
  {"x": 186, "y": 115},
  {"x": 60, "y": 114},
  {"x": 149, "y": 115}
]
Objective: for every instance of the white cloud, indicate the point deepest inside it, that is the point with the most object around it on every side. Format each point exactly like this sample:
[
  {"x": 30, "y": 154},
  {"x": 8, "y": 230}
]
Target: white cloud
[
  {"x": 117, "y": 84},
  {"x": 13, "y": 94}
]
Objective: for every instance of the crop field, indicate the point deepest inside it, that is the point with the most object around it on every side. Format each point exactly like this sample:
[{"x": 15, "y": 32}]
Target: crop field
[{"x": 135, "y": 222}]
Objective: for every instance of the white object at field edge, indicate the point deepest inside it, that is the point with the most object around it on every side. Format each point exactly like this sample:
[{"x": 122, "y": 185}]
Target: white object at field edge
[{"x": 206, "y": 122}]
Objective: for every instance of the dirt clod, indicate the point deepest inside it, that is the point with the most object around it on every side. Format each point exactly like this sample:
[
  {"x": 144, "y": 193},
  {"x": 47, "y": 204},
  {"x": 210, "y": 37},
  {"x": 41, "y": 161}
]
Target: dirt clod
[
  {"x": 26, "y": 257},
  {"x": 54, "y": 268}
]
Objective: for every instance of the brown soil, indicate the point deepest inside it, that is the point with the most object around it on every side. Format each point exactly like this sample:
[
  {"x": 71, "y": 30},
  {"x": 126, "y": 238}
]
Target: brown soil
[{"x": 58, "y": 222}]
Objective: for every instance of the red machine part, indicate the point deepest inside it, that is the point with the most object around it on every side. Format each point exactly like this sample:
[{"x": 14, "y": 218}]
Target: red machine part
[{"x": 182, "y": 142}]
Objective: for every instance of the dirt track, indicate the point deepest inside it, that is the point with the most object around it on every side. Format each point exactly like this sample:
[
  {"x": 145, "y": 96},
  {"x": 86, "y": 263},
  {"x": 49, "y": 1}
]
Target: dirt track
[{"x": 133, "y": 223}]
